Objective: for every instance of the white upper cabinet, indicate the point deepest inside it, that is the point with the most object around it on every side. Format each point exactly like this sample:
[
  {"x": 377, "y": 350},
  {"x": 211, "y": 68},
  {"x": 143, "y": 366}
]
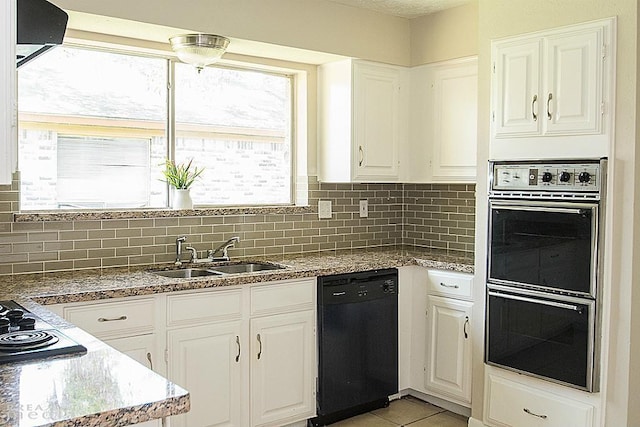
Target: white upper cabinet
[
  {"x": 443, "y": 121},
  {"x": 517, "y": 87},
  {"x": 554, "y": 84},
  {"x": 8, "y": 112},
  {"x": 362, "y": 121}
]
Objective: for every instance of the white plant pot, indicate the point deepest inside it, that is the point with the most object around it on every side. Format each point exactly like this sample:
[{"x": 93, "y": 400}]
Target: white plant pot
[{"x": 182, "y": 199}]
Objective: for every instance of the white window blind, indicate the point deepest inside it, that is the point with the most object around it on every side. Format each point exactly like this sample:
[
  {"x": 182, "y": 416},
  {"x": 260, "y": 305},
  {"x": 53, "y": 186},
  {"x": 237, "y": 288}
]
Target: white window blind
[{"x": 103, "y": 172}]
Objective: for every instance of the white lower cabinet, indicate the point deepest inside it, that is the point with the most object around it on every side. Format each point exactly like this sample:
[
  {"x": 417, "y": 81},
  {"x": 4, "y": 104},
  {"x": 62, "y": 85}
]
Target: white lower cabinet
[
  {"x": 509, "y": 403},
  {"x": 206, "y": 361},
  {"x": 282, "y": 357},
  {"x": 141, "y": 348},
  {"x": 126, "y": 324},
  {"x": 246, "y": 355},
  {"x": 449, "y": 347},
  {"x": 441, "y": 308}
]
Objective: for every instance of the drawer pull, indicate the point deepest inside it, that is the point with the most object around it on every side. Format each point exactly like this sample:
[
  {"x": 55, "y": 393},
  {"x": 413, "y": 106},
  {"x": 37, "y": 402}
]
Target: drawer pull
[
  {"x": 238, "y": 343},
  {"x": 544, "y": 417},
  {"x": 113, "y": 319},
  {"x": 444, "y": 285},
  {"x": 150, "y": 361}
]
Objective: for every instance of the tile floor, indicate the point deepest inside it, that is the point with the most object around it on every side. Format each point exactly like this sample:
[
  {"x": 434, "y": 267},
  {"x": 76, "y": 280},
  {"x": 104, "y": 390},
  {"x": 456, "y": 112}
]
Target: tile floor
[{"x": 409, "y": 412}]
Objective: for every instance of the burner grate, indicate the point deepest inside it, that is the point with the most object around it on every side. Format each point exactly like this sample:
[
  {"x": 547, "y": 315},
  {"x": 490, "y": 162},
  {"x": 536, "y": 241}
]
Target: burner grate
[{"x": 26, "y": 340}]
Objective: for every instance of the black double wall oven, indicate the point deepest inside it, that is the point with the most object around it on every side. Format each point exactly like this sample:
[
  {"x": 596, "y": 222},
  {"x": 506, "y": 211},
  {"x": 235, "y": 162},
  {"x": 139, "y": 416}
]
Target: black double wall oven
[{"x": 543, "y": 281}]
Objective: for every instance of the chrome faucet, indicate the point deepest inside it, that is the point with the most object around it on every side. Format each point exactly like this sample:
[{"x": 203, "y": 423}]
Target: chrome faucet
[
  {"x": 224, "y": 248},
  {"x": 179, "y": 241},
  {"x": 194, "y": 254}
]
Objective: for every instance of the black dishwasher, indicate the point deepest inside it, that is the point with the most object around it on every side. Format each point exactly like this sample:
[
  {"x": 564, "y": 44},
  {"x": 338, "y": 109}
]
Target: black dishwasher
[{"x": 357, "y": 343}]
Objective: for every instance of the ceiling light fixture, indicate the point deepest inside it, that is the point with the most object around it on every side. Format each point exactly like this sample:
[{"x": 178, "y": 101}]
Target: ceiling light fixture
[{"x": 199, "y": 50}]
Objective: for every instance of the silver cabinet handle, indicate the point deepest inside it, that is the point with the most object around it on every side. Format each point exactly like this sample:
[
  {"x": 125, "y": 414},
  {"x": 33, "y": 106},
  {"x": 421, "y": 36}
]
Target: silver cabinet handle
[
  {"x": 260, "y": 350},
  {"x": 533, "y": 109},
  {"x": 112, "y": 319},
  {"x": 238, "y": 344},
  {"x": 150, "y": 361},
  {"x": 549, "y": 108},
  {"x": 544, "y": 417},
  {"x": 361, "y": 155},
  {"x": 444, "y": 285},
  {"x": 464, "y": 327}
]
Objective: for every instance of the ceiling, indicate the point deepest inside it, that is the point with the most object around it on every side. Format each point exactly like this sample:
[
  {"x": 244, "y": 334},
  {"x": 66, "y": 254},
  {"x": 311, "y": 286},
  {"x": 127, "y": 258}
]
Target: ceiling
[{"x": 404, "y": 8}]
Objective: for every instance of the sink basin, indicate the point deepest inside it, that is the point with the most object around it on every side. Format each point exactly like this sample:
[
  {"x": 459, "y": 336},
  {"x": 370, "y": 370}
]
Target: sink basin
[
  {"x": 245, "y": 267},
  {"x": 187, "y": 273}
]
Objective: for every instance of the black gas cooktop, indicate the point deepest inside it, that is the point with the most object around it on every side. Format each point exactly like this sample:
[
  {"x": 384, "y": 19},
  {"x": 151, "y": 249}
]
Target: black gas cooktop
[{"x": 24, "y": 336}]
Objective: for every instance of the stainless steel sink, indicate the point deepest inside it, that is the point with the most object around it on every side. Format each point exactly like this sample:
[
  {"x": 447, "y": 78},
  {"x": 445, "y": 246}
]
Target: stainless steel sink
[
  {"x": 187, "y": 273},
  {"x": 245, "y": 267}
]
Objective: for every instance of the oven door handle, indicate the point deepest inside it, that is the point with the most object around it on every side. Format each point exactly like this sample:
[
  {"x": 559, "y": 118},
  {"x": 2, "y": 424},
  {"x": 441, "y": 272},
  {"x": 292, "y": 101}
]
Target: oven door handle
[
  {"x": 538, "y": 301},
  {"x": 576, "y": 211}
]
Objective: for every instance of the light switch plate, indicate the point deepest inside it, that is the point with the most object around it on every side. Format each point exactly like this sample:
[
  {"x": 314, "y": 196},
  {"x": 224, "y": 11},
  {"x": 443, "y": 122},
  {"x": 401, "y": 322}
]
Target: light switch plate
[
  {"x": 364, "y": 208},
  {"x": 324, "y": 209}
]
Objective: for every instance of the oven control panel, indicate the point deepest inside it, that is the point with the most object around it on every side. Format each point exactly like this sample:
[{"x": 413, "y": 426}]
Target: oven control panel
[{"x": 582, "y": 176}]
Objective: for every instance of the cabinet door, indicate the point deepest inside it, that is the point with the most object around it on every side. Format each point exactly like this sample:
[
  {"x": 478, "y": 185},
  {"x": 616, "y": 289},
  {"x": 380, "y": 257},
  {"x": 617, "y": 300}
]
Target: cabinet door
[
  {"x": 282, "y": 368},
  {"x": 449, "y": 347},
  {"x": 573, "y": 98},
  {"x": 517, "y": 103},
  {"x": 8, "y": 113},
  {"x": 376, "y": 121},
  {"x": 454, "y": 113},
  {"x": 206, "y": 361},
  {"x": 142, "y": 349}
]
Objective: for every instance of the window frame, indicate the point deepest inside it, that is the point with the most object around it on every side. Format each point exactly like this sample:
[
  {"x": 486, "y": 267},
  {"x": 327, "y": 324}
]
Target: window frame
[{"x": 262, "y": 65}]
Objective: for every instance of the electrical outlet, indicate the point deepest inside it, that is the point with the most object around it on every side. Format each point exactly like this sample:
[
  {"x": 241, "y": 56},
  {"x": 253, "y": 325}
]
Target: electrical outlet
[
  {"x": 364, "y": 208},
  {"x": 324, "y": 209}
]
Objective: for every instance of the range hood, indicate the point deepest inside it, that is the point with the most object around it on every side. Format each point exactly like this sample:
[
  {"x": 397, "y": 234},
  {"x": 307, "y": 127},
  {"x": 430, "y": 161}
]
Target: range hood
[{"x": 41, "y": 26}]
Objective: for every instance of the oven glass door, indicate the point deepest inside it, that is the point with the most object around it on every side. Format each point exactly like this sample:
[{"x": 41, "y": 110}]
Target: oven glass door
[
  {"x": 545, "y": 245},
  {"x": 547, "y": 338}
]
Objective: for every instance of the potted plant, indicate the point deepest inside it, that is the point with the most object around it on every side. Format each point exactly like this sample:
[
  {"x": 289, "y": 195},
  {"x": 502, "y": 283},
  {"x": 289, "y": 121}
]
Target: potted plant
[{"x": 181, "y": 177}]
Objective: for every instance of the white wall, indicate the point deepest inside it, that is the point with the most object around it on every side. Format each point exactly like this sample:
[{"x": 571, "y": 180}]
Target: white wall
[
  {"x": 317, "y": 25},
  {"x": 499, "y": 18},
  {"x": 448, "y": 34}
]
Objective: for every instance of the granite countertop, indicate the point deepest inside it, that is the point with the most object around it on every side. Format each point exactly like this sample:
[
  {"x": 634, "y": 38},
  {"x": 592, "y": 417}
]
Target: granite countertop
[
  {"x": 100, "y": 388},
  {"x": 105, "y": 387},
  {"x": 91, "y": 285}
]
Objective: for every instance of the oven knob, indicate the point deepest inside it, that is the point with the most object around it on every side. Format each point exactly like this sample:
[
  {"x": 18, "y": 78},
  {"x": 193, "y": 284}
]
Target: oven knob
[
  {"x": 584, "y": 177},
  {"x": 27, "y": 324},
  {"x": 565, "y": 176},
  {"x": 546, "y": 177},
  {"x": 14, "y": 315},
  {"x": 4, "y": 325}
]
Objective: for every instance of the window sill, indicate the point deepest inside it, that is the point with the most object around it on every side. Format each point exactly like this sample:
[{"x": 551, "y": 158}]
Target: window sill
[{"x": 53, "y": 216}]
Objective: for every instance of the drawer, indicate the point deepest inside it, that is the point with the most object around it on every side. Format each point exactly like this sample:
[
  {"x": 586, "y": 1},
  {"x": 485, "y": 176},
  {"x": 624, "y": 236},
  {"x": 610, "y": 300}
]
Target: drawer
[
  {"x": 512, "y": 404},
  {"x": 451, "y": 284},
  {"x": 285, "y": 296},
  {"x": 203, "y": 307},
  {"x": 122, "y": 317}
]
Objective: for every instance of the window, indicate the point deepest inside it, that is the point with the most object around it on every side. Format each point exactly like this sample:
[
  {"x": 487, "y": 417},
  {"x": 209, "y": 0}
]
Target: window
[
  {"x": 237, "y": 124},
  {"x": 93, "y": 131}
]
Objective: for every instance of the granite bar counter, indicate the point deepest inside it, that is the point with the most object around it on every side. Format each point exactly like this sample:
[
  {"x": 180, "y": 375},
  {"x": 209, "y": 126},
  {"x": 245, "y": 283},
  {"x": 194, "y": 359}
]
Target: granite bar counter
[
  {"x": 105, "y": 387},
  {"x": 100, "y": 388}
]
